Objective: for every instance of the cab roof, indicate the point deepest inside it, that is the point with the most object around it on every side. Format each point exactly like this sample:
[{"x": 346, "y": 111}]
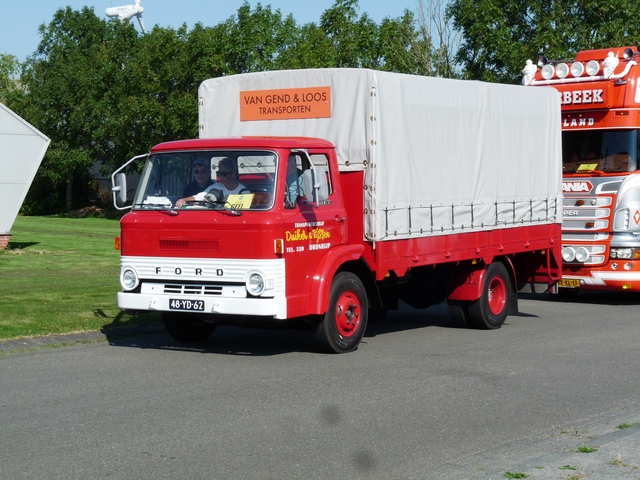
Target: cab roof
[{"x": 243, "y": 142}]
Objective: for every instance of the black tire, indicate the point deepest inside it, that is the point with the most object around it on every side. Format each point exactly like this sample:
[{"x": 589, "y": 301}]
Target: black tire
[
  {"x": 342, "y": 327},
  {"x": 459, "y": 312},
  {"x": 186, "y": 328},
  {"x": 490, "y": 311}
]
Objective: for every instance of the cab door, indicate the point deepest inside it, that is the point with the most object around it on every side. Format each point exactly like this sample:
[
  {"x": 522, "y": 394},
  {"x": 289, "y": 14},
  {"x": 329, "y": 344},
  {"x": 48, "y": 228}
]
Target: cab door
[{"x": 311, "y": 229}]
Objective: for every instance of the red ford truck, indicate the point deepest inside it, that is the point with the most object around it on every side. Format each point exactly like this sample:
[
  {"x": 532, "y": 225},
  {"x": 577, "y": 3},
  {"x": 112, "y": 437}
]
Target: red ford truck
[
  {"x": 330, "y": 195},
  {"x": 600, "y": 97}
]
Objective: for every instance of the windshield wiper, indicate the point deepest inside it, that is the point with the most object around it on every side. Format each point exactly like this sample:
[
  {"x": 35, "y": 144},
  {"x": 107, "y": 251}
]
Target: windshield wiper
[
  {"x": 211, "y": 199},
  {"x": 156, "y": 206}
]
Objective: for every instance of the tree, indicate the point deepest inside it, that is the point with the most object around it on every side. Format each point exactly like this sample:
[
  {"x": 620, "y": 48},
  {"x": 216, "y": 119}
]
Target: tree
[
  {"x": 443, "y": 40},
  {"x": 65, "y": 81},
  {"x": 104, "y": 92},
  {"x": 256, "y": 39},
  {"x": 9, "y": 74},
  {"x": 500, "y": 35}
]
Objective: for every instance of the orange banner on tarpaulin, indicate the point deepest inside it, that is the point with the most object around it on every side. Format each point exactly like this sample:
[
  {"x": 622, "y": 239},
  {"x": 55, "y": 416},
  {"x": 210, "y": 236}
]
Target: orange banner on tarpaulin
[{"x": 285, "y": 103}]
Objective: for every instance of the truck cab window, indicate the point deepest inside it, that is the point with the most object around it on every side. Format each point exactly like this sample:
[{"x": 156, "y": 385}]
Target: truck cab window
[
  {"x": 182, "y": 180},
  {"x": 297, "y": 164},
  {"x": 608, "y": 151}
]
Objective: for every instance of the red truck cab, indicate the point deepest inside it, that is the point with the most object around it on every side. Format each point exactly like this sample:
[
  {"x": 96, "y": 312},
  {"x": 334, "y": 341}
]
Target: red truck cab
[{"x": 599, "y": 96}]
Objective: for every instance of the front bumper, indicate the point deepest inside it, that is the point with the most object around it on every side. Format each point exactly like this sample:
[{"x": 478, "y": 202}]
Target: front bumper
[{"x": 268, "y": 307}]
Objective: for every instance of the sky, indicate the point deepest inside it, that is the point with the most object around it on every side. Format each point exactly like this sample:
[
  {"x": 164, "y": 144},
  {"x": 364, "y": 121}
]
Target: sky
[{"x": 20, "y": 19}]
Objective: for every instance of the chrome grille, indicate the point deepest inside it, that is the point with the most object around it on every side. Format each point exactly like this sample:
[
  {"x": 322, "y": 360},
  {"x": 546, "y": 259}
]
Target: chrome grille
[
  {"x": 584, "y": 236},
  {"x": 193, "y": 289},
  {"x": 573, "y": 225}
]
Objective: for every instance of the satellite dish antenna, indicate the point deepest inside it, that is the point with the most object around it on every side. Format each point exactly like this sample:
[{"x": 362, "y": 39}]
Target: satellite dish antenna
[{"x": 126, "y": 12}]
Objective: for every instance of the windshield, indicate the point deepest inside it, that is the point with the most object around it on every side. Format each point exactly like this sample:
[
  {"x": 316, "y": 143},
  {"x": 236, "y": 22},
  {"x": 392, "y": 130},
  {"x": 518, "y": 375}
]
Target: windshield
[
  {"x": 242, "y": 180},
  {"x": 608, "y": 151}
]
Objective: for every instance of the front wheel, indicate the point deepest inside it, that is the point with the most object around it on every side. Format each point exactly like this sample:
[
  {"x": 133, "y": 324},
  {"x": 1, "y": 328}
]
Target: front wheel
[
  {"x": 186, "y": 327},
  {"x": 342, "y": 327},
  {"x": 490, "y": 311}
]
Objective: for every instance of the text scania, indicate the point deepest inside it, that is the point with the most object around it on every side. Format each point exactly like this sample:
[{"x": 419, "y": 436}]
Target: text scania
[
  {"x": 581, "y": 187},
  {"x": 577, "y": 97}
]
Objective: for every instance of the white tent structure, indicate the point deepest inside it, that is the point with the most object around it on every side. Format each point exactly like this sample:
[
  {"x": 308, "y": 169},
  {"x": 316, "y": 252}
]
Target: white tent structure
[{"x": 22, "y": 148}]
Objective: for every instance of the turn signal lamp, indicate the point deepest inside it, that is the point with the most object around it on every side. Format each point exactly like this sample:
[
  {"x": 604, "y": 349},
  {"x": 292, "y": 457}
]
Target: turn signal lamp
[
  {"x": 278, "y": 246},
  {"x": 116, "y": 243}
]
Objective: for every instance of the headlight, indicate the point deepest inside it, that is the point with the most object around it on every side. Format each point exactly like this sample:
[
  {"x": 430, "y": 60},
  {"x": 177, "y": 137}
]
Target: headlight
[
  {"x": 129, "y": 279},
  {"x": 627, "y": 253},
  {"x": 593, "y": 67},
  {"x": 582, "y": 254},
  {"x": 255, "y": 284},
  {"x": 562, "y": 70},
  {"x": 548, "y": 71},
  {"x": 568, "y": 254},
  {"x": 577, "y": 69}
]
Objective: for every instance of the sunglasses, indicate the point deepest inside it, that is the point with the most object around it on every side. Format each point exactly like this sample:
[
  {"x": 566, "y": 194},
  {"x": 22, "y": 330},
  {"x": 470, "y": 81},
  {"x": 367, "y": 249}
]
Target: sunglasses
[
  {"x": 224, "y": 174},
  {"x": 200, "y": 171}
]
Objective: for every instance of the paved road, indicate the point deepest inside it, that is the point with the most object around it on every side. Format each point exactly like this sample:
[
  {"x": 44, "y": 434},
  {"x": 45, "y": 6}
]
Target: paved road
[{"x": 420, "y": 399}]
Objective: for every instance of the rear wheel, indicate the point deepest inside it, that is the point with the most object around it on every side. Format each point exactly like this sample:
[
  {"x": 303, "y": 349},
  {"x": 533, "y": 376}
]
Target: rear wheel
[
  {"x": 343, "y": 326},
  {"x": 186, "y": 327},
  {"x": 490, "y": 310}
]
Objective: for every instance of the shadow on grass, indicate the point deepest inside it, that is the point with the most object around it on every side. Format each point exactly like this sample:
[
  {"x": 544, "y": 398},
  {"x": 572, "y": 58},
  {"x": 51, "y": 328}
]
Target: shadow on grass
[{"x": 20, "y": 245}]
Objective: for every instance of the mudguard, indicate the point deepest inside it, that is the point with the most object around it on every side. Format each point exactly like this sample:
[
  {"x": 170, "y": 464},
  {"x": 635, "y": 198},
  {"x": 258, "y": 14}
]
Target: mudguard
[{"x": 318, "y": 282}]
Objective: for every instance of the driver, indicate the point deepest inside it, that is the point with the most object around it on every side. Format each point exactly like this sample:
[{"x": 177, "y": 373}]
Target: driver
[{"x": 227, "y": 184}]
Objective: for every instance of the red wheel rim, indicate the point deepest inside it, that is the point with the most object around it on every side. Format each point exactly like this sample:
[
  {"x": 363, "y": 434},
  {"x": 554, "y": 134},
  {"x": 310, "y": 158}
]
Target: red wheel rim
[
  {"x": 348, "y": 313},
  {"x": 497, "y": 295}
]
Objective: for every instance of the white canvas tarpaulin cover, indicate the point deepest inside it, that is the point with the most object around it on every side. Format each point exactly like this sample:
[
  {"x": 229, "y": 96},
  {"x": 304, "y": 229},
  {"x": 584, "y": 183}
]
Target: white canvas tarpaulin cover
[
  {"x": 22, "y": 148},
  {"x": 440, "y": 156}
]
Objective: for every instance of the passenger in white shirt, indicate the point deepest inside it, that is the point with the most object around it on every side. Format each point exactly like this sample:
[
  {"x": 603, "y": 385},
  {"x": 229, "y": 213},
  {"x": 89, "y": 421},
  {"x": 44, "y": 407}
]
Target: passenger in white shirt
[{"x": 227, "y": 184}]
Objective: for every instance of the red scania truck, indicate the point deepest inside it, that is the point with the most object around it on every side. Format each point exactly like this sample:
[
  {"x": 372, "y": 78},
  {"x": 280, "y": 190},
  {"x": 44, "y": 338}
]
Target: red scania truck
[
  {"x": 350, "y": 190},
  {"x": 600, "y": 96}
]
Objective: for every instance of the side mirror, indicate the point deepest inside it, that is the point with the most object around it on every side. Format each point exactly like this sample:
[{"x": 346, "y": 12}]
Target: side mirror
[
  {"x": 119, "y": 189},
  {"x": 316, "y": 187}
]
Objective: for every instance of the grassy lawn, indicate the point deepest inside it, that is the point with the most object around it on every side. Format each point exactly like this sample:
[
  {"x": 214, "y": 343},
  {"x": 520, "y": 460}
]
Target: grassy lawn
[{"x": 61, "y": 275}]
